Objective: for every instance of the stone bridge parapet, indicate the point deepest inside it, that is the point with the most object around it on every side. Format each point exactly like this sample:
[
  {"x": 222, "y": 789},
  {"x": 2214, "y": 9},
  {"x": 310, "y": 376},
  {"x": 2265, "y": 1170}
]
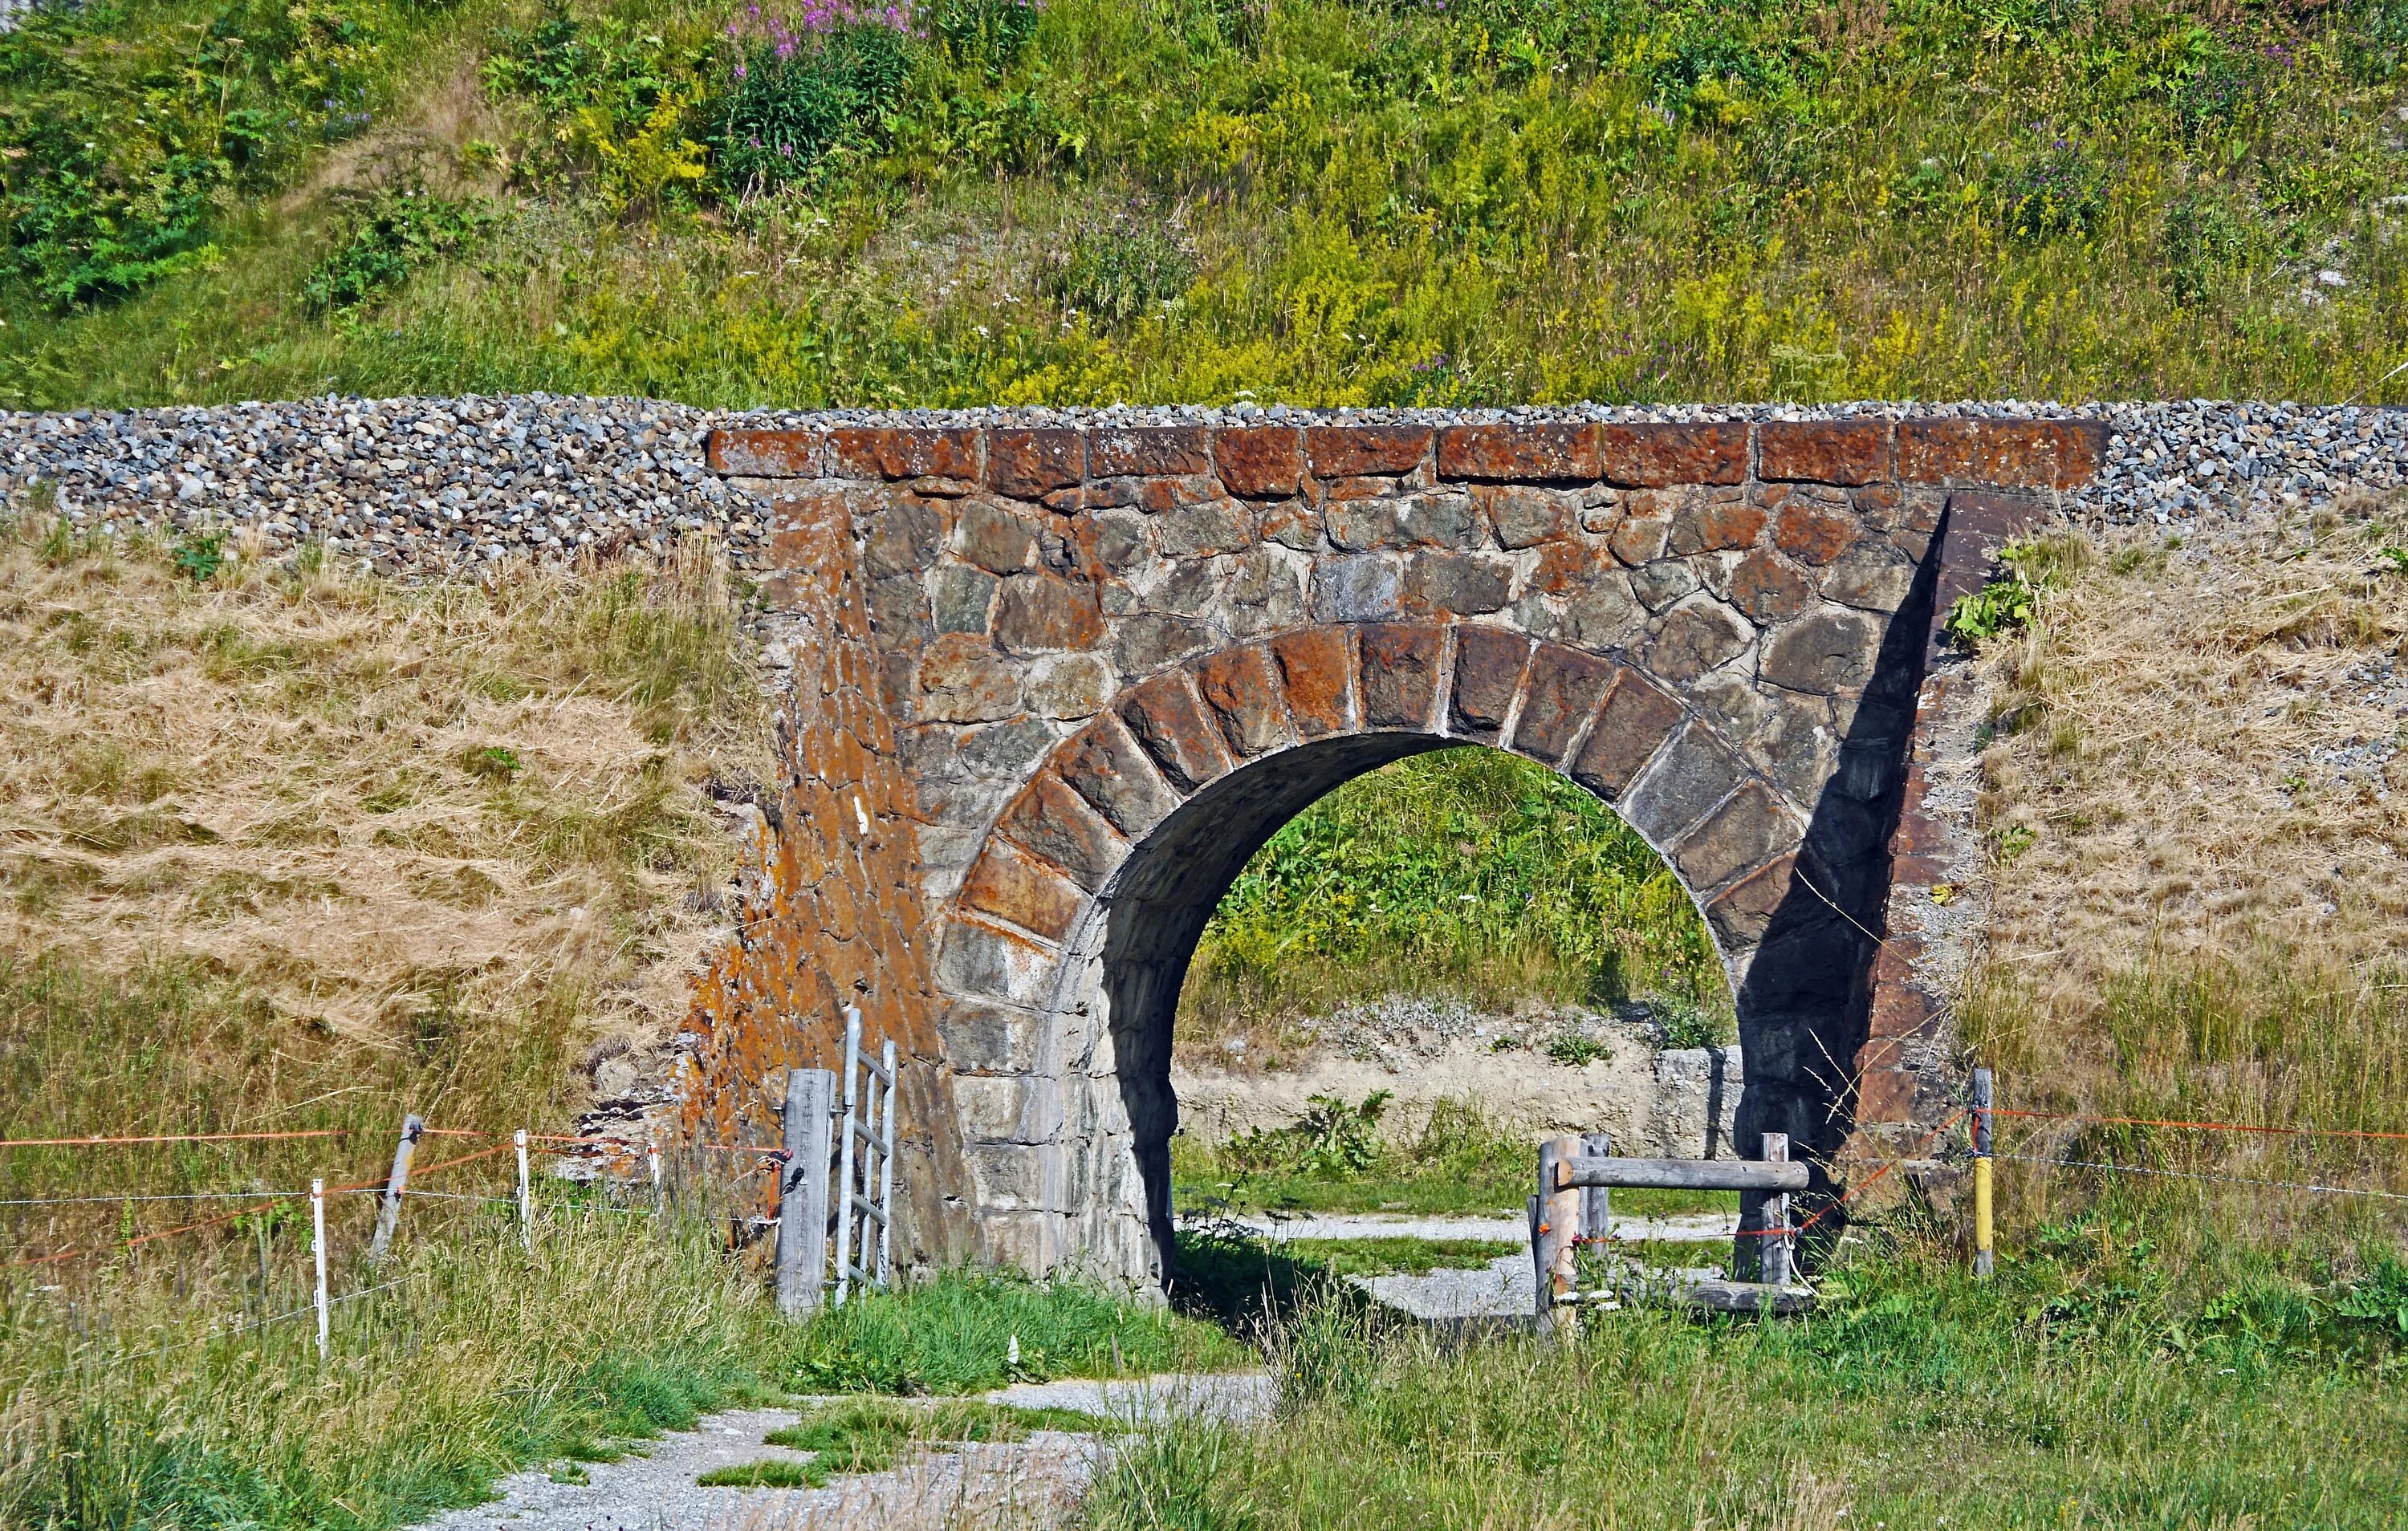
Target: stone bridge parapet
[{"x": 1090, "y": 669}]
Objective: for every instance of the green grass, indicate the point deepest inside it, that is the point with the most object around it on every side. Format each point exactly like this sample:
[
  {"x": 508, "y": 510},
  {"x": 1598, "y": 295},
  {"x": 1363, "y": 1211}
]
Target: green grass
[
  {"x": 1395, "y": 1256},
  {"x": 873, "y": 1434},
  {"x": 1307, "y": 200},
  {"x": 773, "y": 1473},
  {"x": 2106, "y": 1380},
  {"x": 1470, "y": 873},
  {"x": 956, "y": 1336}
]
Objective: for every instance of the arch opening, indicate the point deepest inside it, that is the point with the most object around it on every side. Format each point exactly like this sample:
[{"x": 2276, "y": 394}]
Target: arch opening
[{"x": 1156, "y": 911}]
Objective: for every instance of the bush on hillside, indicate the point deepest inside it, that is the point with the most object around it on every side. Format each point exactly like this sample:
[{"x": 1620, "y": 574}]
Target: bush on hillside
[
  {"x": 390, "y": 236},
  {"x": 793, "y": 94},
  {"x": 119, "y": 147}
]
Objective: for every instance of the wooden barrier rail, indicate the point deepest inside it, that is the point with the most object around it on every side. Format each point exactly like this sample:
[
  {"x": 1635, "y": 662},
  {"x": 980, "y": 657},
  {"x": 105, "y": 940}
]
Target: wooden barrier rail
[{"x": 1681, "y": 1174}]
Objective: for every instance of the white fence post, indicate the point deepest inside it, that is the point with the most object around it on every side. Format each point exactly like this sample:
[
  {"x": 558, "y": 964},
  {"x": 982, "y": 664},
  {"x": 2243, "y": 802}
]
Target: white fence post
[
  {"x": 886, "y": 1175},
  {"x": 318, "y": 1254},
  {"x": 526, "y": 1202},
  {"x": 1776, "y": 1255}
]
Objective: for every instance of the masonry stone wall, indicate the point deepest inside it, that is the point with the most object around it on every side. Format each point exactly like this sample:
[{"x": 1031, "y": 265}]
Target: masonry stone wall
[
  {"x": 1114, "y": 661},
  {"x": 827, "y": 905}
]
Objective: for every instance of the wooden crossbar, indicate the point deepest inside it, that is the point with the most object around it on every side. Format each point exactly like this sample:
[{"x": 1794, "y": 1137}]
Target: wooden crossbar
[{"x": 1580, "y": 1172}]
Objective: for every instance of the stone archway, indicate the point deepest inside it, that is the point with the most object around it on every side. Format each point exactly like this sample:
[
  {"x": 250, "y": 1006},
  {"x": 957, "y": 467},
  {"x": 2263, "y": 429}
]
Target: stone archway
[
  {"x": 1050, "y": 687},
  {"x": 1066, "y": 948}
]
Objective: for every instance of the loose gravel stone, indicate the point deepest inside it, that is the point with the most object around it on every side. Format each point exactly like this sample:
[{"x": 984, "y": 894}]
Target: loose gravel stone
[{"x": 424, "y": 486}]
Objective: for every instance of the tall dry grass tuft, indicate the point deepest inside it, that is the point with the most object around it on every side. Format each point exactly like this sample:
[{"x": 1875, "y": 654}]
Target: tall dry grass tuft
[{"x": 2197, "y": 815}]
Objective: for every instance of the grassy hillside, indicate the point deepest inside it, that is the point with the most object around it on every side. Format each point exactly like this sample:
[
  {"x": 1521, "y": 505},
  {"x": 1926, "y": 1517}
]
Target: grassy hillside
[
  {"x": 1327, "y": 203},
  {"x": 1470, "y": 873}
]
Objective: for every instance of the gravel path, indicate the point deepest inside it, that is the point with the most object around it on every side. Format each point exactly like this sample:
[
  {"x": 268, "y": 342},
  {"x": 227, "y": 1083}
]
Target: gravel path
[
  {"x": 1033, "y": 1483},
  {"x": 420, "y": 486}
]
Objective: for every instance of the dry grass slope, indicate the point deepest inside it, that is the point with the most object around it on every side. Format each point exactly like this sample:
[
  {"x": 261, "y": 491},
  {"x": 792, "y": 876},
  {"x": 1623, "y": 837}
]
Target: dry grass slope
[
  {"x": 387, "y": 845},
  {"x": 2197, "y": 811}
]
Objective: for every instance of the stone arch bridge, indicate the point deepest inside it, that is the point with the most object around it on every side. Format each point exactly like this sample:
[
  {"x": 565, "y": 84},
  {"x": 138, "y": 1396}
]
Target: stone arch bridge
[{"x": 1050, "y": 688}]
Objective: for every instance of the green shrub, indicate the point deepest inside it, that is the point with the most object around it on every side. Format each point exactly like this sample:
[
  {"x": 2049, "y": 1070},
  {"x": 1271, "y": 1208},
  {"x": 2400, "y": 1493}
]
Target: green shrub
[
  {"x": 1122, "y": 270},
  {"x": 2054, "y": 191},
  {"x": 123, "y": 134},
  {"x": 1330, "y": 1141},
  {"x": 390, "y": 235},
  {"x": 988, "y": 36},
  {"x": 792, "y": 97}
]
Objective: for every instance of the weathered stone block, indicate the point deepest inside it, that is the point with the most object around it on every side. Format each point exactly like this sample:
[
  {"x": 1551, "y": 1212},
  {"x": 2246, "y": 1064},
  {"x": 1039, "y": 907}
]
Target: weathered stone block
[
  {"x": 1400, "y": 666},
  {"x": 768, "y": 454},
  {"x": 1874, "y": 576},
  {"x": 904, "y": 536},
  {"x": 1009, "y": 1110},
  {"x": 1350, "y": 452},
  {"x": 962, "y": 597},
  {"x": 1260, "y": 461},
  {"x": 1036, "y": 612},
  {"x": 1828, "y": 651},
  {"x": 1364, "y": 525},
  {"x": 1542, "y": 453},
  {"x": 1292, "y": 523},
  {"x": 1244, "y": 693},
  {"x": 1034, "y": 896},
  {"x": 1146, "y": 641},
  {"x": 1030, "y": 465},
  {"x": 1439, "y": 519},
  {"x": 2009, "y": 453},
  {"x": 981, "y": 960},
  {"x": 1106, "y": 767},
  {"x": 1468, "y": 584},
  {"x": 1367, "y": 587},
  {"x": 1828, "y": 452},
  {"x": 1150, "y": 451},
  {"x": 1640, "y": 539},
  {"x": 981, "y": 1037},
  {"x": 1741, "y": 913},
  {"x": 1636, "y": 721},
  {"x": 899, "y": 608},
  {"x": 1812, "y": 532},
  {"x": 1691, "y": 774},
  {"x": 1696, "y": 637},
  {"x": 1054, "y": 824},
  {"x": 1650, "y": 455},
  {"x": 1170, "y": 721},
  {"x": 993, "y": 537},
  {"x": 1318, "y": 673},
  {"x": 1200, "y": 531},
  {"x": 1525, "y": 517},
  {"x": 1488, "y": 663},
  {"x": 1767, "y": 589},
  {"x": 1006, "y": 1176},
  {"x": 1710, "y": 523},
  {"x": 963, "y": 679},
  {"x": 1604, "y": 616},
  {"x": 1564, "y": 686},
  {"x": 1068, "y": 685},
  {"x": 1744, "y": 833},
  {"x": 1005, "y": 751},
  {"x": 903, "y": 454}
]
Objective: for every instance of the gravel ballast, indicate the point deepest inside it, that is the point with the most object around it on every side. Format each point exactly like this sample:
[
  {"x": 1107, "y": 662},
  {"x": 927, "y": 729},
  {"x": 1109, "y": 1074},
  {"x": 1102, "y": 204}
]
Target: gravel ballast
[{"x": 421, "y": 487}]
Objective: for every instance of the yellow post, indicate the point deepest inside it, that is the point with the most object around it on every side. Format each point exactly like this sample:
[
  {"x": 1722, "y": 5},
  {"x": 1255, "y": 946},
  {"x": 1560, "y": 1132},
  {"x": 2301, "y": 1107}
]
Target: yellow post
[{"x": 1983, "y": 1258}]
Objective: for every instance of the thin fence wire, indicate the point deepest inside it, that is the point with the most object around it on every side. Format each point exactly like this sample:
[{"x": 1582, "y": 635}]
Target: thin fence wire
[
  {"x": 250, "y": 1326},
  {"x": 2200, "y": 1175}
]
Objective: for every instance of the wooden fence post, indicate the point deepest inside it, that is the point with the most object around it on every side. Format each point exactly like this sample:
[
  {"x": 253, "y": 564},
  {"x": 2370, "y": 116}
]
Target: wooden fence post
[
  {"x": 1596, "y": 1201},
  {"x": 388, "y": 1213},
  {"x": 1775, "y": 1259},
  {"x": 1984, "y": 1258},
  {"x": 1559, "y": 1212},
  {"x": 803, "y": 1191}
]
